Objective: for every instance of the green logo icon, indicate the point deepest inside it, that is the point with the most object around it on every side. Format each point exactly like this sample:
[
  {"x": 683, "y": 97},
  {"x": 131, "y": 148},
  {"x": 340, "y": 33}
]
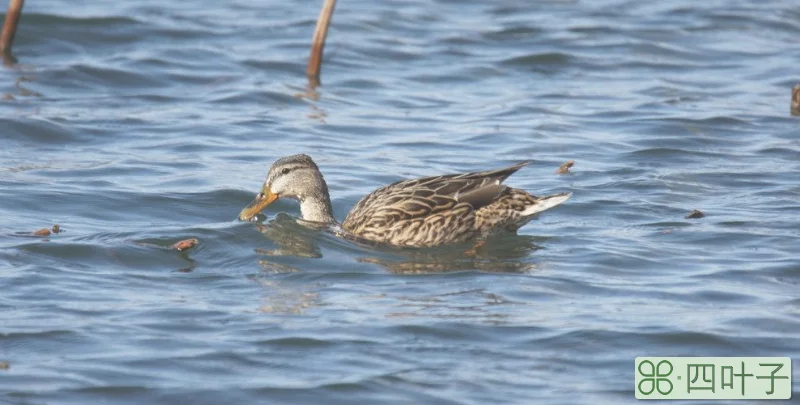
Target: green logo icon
[
  {"x": 655, "y": 376},
  {"x": 697, "y": 378}
]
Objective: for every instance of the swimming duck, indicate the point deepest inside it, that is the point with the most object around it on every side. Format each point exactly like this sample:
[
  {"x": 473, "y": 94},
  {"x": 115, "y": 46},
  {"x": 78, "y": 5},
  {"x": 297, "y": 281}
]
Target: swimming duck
[{"x": 427, "y": 211}]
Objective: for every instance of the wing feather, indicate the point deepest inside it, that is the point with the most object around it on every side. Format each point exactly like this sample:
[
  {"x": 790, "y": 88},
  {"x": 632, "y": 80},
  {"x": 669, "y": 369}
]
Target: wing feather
[{"x": 406, "y": 209}]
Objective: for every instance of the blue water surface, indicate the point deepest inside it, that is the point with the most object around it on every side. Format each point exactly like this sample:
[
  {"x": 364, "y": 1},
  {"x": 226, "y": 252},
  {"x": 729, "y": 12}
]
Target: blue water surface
[{"x": 134, "y": 125}]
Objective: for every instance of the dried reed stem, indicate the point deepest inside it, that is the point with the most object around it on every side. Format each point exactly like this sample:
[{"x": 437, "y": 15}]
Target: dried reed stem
[
  {"x": 318, "y": 43},
  {"x": 10, "y": 26}
]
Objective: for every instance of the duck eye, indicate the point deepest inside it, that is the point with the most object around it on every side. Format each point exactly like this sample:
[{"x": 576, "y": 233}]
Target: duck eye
[{"x": 285, "y": 170}]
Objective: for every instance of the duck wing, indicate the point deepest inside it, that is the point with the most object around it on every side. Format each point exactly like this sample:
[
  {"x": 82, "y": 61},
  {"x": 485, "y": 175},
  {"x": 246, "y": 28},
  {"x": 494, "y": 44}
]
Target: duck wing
[{"x": 406, "y": 205}]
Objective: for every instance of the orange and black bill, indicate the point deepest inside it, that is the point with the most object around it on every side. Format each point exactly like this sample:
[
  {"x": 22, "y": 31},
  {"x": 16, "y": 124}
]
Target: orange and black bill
[{"x": 266, "y": 197}]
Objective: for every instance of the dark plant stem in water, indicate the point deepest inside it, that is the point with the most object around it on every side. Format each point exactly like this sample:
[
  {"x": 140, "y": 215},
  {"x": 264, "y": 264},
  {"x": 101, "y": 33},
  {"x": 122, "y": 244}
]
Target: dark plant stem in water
[
  {"x": 10, "y": 26},
  {"x": 318, "y": 43},
  {"x": 795, "y": 105}
]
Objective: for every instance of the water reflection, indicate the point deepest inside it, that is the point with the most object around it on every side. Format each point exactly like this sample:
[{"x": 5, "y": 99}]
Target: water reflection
[
  {"x": 500, "y": 254},
  {"x": 287, "y": 298},
  {"x": 20, "y": 90},
  {"x": 292, "y": 238},
  {"x": 8, "y": 59},
  {"x": 478, "y": 305},
  {"x": 506, "y": 253}
]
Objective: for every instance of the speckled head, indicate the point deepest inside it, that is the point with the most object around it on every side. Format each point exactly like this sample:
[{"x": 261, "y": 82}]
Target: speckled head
[{"x": 296, "y": 177}]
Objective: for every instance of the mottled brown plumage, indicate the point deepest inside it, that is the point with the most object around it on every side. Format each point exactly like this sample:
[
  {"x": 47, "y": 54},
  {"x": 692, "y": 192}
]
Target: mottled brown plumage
[{"x": 428, "y": 211}]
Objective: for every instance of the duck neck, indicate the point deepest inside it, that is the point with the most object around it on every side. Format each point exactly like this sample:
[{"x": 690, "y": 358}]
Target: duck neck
[{"x": 317, "y": 208}]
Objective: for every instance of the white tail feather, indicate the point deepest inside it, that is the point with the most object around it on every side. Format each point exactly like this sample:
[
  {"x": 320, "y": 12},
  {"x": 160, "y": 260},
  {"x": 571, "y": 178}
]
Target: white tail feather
[{"x": 545, "y": 203}]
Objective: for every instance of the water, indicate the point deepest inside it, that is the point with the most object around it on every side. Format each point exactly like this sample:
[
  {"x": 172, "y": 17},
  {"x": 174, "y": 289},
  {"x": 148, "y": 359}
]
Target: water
[{"x": 134, "y": 125}]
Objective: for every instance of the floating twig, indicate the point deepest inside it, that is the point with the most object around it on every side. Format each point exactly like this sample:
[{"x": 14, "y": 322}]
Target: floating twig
[
  {"x": 695, "y": 214},
  {"x": 318, "y": 43},
  {"x": 564, "y": 169},
  {"x": 42, "y": 232},
  {"x": 10, "y": 25},
  {"x": 46, "y": 231},
  {"x": 185, "y": 244},
  {"x": 795, "y": 106}
]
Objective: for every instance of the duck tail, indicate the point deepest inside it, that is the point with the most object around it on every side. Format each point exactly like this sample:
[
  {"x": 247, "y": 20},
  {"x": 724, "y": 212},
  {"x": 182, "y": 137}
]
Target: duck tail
[{"x": 545, "y": 203}]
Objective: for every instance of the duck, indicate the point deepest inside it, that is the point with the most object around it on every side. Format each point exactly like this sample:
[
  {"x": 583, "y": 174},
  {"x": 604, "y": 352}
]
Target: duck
[{"x": 421, "y": 212}]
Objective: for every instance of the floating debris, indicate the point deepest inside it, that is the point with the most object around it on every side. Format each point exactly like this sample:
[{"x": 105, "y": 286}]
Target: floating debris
[
  {"x": 4, "y": 365},
  {"x": 47, "y": 232},
  {"x": 42, "y": 232},
  {"x": 185, "y": 244},
  {"x": 795, "y": 105},
  {"x": 695, "y": 214},
  {"x": 564, "y": 169}
]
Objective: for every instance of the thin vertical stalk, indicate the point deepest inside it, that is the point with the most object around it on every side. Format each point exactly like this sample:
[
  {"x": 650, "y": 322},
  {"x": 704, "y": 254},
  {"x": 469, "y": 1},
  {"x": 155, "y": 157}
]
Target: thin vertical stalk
[
  {"x": 318, "y": 43},
  {"x": 10, "y": 25}
]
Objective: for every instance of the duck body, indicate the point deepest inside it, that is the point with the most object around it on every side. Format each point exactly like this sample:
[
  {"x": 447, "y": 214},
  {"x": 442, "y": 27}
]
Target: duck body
[{"x": 427, "y": 211}]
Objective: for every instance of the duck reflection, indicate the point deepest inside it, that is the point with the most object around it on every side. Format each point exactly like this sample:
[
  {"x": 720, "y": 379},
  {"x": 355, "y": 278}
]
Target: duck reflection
[
  {"x": 505, "y": 253},
  {"x": 502, "y": 254},
  {"x": 294, "y": 238}
]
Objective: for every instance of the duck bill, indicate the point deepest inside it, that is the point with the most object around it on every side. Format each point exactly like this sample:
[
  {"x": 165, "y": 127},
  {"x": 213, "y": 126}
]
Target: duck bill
[{"x": 265, "y": 198}]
